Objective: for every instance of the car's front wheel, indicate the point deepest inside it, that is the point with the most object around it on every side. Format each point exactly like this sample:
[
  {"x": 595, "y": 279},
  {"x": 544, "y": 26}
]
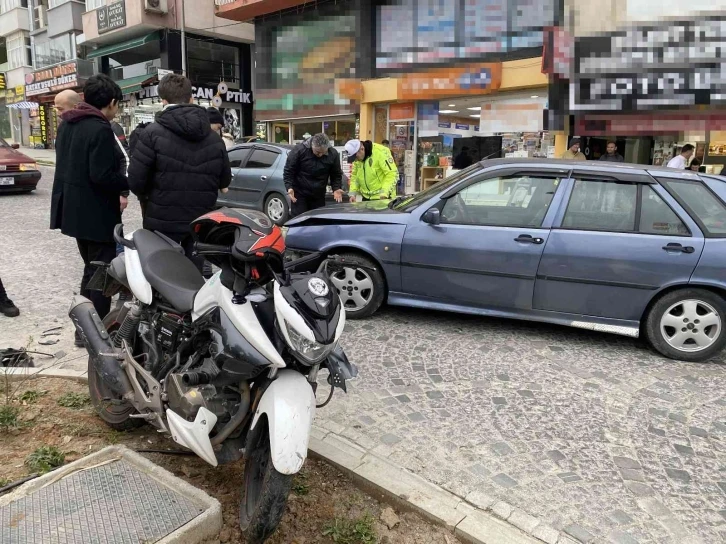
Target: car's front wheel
[
  {"x": 687, "y": 325},
  {"x": 277, "y": 209},
  {"x": 362, "y": 288}
]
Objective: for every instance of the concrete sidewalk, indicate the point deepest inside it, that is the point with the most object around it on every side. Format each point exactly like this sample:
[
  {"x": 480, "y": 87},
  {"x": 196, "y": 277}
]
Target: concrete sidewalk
[{"x": 45, "y": 157}]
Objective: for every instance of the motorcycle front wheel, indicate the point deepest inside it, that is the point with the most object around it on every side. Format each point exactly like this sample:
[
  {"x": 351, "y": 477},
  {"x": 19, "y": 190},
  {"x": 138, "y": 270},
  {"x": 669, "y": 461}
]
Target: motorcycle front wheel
[{"x": 265, "y": 490}]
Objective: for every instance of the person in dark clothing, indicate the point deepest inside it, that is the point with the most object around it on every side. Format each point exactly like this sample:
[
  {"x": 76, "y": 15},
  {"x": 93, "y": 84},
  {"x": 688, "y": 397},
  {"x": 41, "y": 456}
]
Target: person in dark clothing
[
  {"x": 86, "y": 199},
  {"x": 308, "y": 168},
  {"x": 178, "y": 165},
  {"x": 7, "y": 308},
  {"x": 612, "y": 154},
  {"x": 463, "y": 159}
]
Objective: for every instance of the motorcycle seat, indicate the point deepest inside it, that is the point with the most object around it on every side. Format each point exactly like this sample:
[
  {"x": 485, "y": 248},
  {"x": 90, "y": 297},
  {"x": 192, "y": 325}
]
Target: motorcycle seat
[{"x": 169, "y": 272}]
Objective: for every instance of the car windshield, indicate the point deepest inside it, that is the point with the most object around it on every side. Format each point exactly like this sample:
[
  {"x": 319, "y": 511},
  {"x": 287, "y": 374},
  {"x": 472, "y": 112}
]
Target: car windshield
[
  {"x": 3, "y": 143},
  {"x": 408, "y": 203}
]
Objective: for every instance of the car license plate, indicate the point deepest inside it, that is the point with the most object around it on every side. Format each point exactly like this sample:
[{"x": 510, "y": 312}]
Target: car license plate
[{"x": 7, "y": 181}]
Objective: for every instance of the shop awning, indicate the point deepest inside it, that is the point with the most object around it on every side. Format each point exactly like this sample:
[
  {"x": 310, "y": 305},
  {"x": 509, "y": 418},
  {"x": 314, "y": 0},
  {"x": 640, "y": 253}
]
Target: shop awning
[
  {"x": 123, "y": 46},
  {"x": 133, "y": 84},
  {"x": 24, "y": 106}
]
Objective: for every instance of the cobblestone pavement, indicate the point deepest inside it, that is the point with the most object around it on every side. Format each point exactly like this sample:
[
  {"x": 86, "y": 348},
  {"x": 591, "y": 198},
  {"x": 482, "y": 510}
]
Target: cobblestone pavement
[{"x": 591, "y": 434}]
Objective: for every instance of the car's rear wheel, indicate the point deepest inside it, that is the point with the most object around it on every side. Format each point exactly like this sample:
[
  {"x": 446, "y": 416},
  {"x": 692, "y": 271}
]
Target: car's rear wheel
[
  {"x": 687, "y": 325},
  {"x": 277, "y": 209},
  {"x": 362, "y": 289}
]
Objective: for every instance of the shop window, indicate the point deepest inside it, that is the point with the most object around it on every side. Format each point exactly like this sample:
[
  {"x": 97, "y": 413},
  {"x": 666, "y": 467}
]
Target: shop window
[
  {"x": 262, "y": 158},
  {"x": 701, "y": 204},
  {"x": 303, "y": 131},
  {"x": 602, "y": 206},
  {"x": 211, "y": 62},
  {"x": 656, "y": 217},
  {"x": 502, "y": 202}
]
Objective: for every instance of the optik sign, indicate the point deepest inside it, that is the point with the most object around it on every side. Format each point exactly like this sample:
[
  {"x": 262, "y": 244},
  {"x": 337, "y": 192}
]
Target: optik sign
[{"x": 203, "y": 92}]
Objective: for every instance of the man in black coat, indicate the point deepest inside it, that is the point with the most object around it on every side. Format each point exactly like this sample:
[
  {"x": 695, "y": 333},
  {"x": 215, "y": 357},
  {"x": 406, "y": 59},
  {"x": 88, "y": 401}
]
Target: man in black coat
[
  {"x": 178, "y": 165},
  {"x": 86, "y": 201},
  {"x": 309, "y": 166}
]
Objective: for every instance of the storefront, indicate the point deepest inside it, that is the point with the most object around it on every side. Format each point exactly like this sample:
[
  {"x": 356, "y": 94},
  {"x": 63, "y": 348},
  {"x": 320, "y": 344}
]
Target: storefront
[
  {"x": 41, "y": 87},
  {"x": 651, "y": 109},
  {"x": 219, "y": 71},
  {"x": 19, "y": 114}
]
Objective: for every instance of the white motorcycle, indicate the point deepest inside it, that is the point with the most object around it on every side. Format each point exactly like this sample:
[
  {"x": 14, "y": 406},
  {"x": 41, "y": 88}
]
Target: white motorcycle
[{"x": 229, "y": 367}]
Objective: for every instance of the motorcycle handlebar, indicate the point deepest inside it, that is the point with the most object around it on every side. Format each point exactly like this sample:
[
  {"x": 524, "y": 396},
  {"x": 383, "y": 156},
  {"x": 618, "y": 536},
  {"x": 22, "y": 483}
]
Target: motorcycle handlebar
[
  {"x": 212, "y": 249},
  {"x": 118, "y": 235}
]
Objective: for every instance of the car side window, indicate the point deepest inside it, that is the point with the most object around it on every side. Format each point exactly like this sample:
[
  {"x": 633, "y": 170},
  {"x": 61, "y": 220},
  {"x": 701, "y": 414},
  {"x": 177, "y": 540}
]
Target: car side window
[
  {"x": 261, "y": 158},
  {"x": 705, "y": 207},
  {"x": 237, "y": 157},
  {"x": 520, "y": 201},
  {"x": 602, "y": 206},
  {"x": 657, "y": 217}
]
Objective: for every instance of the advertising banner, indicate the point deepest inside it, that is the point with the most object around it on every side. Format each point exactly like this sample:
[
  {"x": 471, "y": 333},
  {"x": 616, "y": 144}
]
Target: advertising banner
[{"x": 53, "y": 79}]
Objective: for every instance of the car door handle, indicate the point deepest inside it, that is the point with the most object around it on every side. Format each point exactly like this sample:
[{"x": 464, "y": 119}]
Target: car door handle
[
  {"x": 263, "y": 178},
  {"x": 679, "y": 247},
  {"x": 527, "y": 239}
]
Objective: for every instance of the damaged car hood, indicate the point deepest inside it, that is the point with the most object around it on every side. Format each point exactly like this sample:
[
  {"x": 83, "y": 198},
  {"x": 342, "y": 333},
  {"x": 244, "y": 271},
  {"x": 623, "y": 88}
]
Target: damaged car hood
[{"x": 374, "y": 211}]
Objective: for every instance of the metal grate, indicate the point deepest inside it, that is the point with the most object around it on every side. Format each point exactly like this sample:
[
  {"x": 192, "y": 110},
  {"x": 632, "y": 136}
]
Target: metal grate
[{"x": 109, "y": 504}]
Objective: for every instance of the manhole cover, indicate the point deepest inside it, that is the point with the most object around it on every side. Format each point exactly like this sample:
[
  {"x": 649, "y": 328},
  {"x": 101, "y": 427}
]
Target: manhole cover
[{"x": 114, "y": 503}]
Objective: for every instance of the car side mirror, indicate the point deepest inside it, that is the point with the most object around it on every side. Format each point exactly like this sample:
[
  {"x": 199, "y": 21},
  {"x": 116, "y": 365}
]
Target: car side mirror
[
  {"x": 15, "y": 146},
  {"x": 432, "y": 216}
]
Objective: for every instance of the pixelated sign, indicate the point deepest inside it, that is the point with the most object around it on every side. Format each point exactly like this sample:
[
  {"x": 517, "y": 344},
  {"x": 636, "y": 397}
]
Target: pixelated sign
[{"x": 669, "y": 65}]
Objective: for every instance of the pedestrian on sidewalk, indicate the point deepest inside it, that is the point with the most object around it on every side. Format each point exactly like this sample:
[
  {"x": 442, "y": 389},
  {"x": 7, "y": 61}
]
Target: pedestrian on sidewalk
[
  {"x": 178, "y": 165},
  {"x": 66, "y": 101},
  {"x": 86, "y": 200},
  {"x": 573, "y": 152},
  {"x": 680, "y": 161},
  {"x": 308, "y": 168},
  {"x": 7, "y": 308}
]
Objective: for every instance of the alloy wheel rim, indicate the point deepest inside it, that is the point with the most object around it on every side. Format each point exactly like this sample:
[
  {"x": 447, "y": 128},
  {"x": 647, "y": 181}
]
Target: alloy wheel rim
[
  {"x": 275, "y": 209},
  {"x": 355, "y": 288},
  {"x": 690, "y": 325}
]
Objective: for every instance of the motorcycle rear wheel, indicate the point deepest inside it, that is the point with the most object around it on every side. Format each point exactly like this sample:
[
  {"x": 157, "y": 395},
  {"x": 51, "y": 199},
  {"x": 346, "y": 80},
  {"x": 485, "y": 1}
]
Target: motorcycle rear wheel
[
  {"x": 116, "y": 415},
  {"x": 265, "y": 491}
]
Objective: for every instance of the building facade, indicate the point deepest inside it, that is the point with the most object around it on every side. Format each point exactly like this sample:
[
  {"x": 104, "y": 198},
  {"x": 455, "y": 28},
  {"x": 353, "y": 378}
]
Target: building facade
[{"x": 432, "y": 78}]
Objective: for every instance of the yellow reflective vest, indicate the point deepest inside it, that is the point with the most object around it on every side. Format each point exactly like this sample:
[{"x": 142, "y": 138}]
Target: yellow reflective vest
[{"x": 375, "y": 177}]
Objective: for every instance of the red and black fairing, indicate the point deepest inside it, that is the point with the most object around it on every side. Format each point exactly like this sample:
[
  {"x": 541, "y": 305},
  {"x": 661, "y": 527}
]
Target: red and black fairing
[{"x": 256, "y": 241}]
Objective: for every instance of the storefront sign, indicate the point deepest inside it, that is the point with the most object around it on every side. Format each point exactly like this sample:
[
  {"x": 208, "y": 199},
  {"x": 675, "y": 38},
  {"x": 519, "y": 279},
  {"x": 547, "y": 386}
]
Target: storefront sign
[
  {"x": 43, "y": 125},
  {"x": 3, "y": 82},
  {"x": 203, "y": 92},
  {"x": 57, "y": 78},
  {"x": 15, "y": 95},
  {"x": 444, "y": 125},
  {"x": 399, "y": 112},
  {"x": 111, "y": 17},
  {"x": 667, "y": 66},
  {"x": 454, "y": 81},
  {"x": 460, "y": 126}
]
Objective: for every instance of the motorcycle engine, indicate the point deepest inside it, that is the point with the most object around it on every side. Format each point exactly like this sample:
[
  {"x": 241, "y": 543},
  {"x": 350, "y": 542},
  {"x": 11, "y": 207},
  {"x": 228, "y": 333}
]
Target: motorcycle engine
[{"x": 188, "y": 391}]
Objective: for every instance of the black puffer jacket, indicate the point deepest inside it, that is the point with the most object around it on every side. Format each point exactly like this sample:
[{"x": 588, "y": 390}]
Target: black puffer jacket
[
  {"x": 308, "y": 175},
  {"x": 178, "y": 165}
]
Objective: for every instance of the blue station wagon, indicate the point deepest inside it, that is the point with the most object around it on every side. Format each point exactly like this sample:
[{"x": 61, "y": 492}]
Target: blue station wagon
[{"x": 627, "y": 249}]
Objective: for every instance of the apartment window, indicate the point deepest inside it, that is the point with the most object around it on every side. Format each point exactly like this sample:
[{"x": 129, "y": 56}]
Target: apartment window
[
  {"x": 94, "y": 4},
  {"x": 19, "y": 53},
  {"x": 7, "y": 5},
  {"x": 58, "y": 49},
  {"x": 40, "y": 14},
  {"x": 56, "y": 3}
]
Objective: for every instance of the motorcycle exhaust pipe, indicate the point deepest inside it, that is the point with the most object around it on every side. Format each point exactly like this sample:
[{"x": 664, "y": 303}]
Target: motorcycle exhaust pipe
[{"x": 99, "y": 346}]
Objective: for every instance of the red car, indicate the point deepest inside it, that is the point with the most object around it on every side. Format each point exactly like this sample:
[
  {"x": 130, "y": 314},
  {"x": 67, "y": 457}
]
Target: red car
[{"x": 18, "y": 173}]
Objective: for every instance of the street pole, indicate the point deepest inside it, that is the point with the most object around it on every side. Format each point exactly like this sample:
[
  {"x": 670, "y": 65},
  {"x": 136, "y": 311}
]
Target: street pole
[{"x": 183, "y": 42}]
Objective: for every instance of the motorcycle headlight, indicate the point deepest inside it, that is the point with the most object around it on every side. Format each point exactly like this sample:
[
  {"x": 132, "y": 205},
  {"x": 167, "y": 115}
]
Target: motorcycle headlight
[{"x": 310, "y": 352}]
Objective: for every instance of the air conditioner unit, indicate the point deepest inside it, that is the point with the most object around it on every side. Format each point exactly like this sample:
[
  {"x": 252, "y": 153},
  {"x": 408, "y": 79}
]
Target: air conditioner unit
[
  {"x": 39, "y": 17},
  {"x": 156, "y": 6}
]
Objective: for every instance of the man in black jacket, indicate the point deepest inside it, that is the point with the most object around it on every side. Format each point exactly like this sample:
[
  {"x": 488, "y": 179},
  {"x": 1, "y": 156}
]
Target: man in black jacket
[
  {"x": 307, "y": 170},
  {"x": 86, "y": 201},
  {"x": 178, "y": 165}
]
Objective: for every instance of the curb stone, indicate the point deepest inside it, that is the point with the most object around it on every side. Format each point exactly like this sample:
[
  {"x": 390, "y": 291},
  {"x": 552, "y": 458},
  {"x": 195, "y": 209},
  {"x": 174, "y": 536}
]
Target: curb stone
[{"x": 478, "y": 519}]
